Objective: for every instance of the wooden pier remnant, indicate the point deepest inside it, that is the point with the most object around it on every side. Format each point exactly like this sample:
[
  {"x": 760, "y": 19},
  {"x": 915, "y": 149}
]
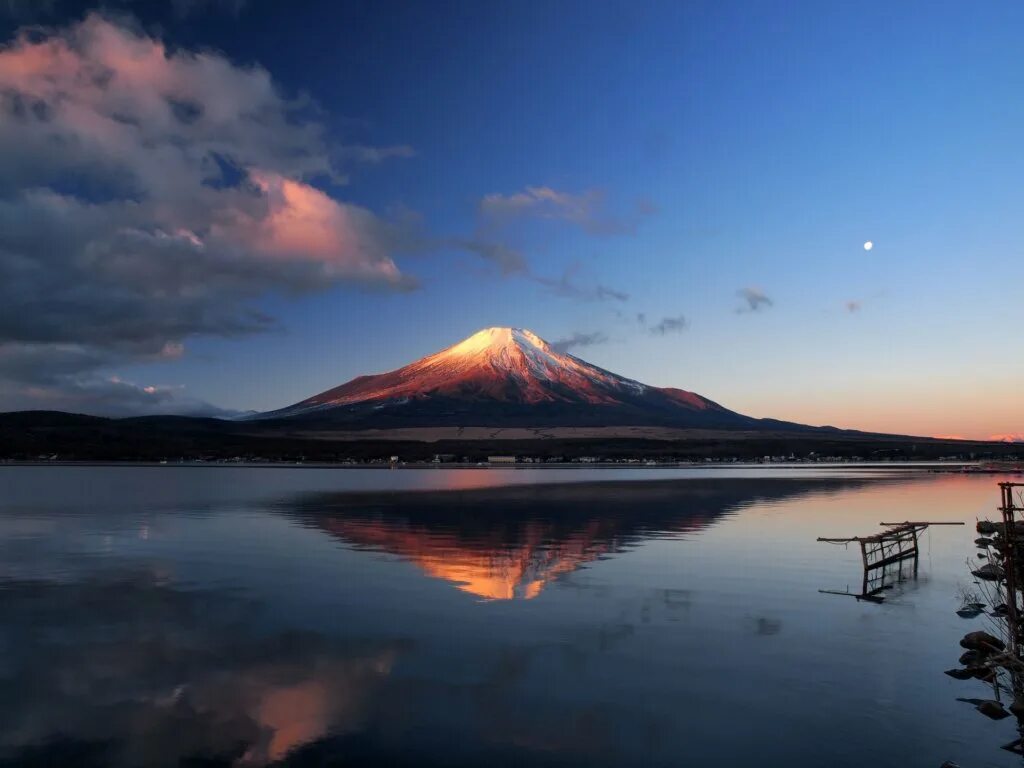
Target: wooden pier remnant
[
  {"x": 885, "y": 554},
  {"x": 1009, "y": 547}
]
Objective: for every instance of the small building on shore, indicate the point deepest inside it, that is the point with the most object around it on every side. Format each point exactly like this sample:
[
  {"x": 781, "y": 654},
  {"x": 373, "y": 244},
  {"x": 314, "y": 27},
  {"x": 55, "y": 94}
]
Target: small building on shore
[{"x": 502, "y": 459}]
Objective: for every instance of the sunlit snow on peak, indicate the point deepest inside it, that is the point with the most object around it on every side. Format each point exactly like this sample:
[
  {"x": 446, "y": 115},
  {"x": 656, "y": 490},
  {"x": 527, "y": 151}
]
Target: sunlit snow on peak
[{"x": 496, "y": 339}]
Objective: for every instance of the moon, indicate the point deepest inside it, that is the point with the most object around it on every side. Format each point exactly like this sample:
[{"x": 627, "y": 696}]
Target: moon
[{"x": 868, "y": 245}]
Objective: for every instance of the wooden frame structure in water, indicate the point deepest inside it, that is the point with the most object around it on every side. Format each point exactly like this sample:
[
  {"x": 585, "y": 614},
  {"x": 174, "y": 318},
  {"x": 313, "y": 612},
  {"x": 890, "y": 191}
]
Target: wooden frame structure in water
[{"x": 884, "y": 555}]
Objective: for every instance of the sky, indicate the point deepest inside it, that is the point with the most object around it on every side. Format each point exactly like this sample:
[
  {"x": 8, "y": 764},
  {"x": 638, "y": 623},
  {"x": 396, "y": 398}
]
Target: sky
[{"x": 218, "y": 206}]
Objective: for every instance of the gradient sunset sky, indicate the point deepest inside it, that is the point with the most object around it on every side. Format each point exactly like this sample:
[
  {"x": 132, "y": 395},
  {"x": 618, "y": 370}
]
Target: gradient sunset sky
[{"x": 234, "y": 205}]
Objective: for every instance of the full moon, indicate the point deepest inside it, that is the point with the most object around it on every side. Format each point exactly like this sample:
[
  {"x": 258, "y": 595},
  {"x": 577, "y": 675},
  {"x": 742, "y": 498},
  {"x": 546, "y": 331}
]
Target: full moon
[{"x": 868, "y": 245}]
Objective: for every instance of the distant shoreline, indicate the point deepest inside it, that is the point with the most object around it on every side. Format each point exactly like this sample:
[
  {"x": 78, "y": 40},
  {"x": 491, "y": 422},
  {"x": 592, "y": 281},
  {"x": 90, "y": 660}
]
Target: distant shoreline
[{"x": 950, "y": 467}]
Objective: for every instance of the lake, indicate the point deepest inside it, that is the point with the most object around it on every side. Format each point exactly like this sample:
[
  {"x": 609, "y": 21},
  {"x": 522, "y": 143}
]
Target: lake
[{"x": 165, "y": 616}]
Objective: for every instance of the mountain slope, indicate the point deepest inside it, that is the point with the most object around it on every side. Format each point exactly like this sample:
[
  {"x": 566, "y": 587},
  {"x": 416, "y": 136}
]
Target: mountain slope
[{"x": 509, "y": 377}]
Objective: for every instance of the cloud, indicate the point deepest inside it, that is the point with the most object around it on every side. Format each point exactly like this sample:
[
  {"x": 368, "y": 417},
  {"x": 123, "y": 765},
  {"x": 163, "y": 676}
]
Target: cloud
[
  {"x": 1008, "y": 437},
  {"x": 577, "y": 340},
  {"x": 511, "y": 262},
  {"x": 67, "y": 378},
  {"x": 586, "y": 210},
  {"x": 151, "y": 195},
  {"x": 508, "y": 260},
  {"x": 755, "y": 299},
  {"x": 497, "y": 240},
  {"x": 374, "y": 155},
  {"x": 668, "y": 325},
  {"x": 566, "y": 286},
  {"x": 853, "y": 305}
]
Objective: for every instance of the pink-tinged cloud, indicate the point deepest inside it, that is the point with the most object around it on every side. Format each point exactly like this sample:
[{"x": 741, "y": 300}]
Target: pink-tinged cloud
[
  {"x": 303, "y": 222},
  {"x": 191, "y": 199},
  {"x": 1008, "y": 437},
  {"x": 157, "y": 120},
  {"x": 949, "y": 437}
]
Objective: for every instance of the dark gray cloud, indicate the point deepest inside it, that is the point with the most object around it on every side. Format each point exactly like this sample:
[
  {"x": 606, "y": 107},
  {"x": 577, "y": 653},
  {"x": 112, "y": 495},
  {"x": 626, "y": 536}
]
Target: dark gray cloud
[
  {"x": 754, "y": 300},
  {"x": 669, "y": 325},
  {"x": 144, "y": 205},
  {"x": 577, "y": 340}
]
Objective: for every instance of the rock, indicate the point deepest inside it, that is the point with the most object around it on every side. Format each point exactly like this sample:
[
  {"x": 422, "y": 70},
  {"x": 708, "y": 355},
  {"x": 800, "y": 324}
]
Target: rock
[
  {"x": 989, "y": 572},
  {"x": 982, "y": 673},
  {"x": 959, "y": 674},
  {"x": 969, "y": 658},
  {"x": 1017, "y": 707},
  {"x": 982, "y": 641},
  {"x": 993, "y": 709}
]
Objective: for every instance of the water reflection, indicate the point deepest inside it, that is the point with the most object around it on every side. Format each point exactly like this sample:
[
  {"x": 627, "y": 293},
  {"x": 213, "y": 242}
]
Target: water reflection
[
  {"x": 597, "y": 624},
  {"x": 124, "y": 670},
  {"x": 508, "y": 543}
]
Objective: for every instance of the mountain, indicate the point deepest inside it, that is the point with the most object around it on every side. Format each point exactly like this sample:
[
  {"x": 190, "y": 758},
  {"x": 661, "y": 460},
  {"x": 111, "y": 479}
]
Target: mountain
[{"x": 510, "y": 377}]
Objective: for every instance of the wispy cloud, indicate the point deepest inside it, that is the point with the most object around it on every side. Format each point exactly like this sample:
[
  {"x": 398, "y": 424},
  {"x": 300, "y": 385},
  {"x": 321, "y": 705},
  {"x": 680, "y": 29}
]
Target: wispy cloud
[
  {"x": 508, "y": 260},
  {"x": 755, "y": 300},
  {"x": 668, "y": 325},
  {"x": 358, "y": 153},
  {"x": 567, "y": 286},
  {"x": 499, "y": 234},
  {"x": 587, "y": 210},
  {"x": 577, "y": 340}
]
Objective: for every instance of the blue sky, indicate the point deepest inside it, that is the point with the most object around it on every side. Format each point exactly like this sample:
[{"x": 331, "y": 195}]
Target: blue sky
[{"x": 702, "y": 149}]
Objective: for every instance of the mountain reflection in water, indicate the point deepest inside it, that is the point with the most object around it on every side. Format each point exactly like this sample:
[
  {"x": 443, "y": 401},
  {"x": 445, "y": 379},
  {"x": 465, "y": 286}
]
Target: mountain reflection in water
[
  {"x": 616, "y": 623},
  {"x": 508, "y": 543}
]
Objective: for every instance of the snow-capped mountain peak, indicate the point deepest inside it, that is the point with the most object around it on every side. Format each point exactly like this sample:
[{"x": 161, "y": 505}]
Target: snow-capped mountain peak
[{"x": 505, "y": 375}]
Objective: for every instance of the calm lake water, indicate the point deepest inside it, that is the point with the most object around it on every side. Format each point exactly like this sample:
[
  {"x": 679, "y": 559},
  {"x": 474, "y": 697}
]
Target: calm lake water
[{"x": 228, "y": 616}]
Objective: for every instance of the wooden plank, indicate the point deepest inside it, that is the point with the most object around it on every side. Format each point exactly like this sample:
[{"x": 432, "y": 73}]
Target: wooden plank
[{"x": 904, "y": 555}]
